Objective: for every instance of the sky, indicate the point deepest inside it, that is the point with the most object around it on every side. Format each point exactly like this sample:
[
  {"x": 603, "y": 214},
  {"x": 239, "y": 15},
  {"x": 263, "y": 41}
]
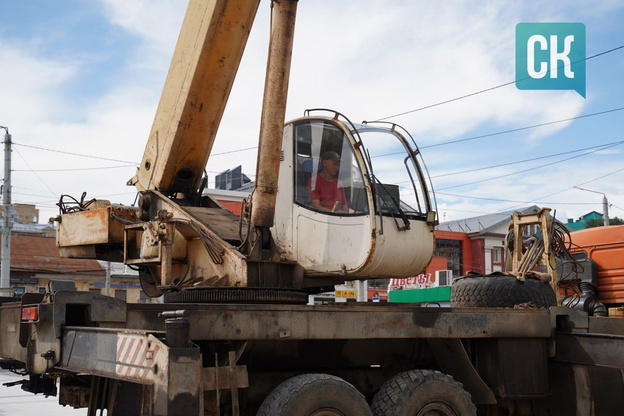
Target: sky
[{"x": 80, "y": 81}]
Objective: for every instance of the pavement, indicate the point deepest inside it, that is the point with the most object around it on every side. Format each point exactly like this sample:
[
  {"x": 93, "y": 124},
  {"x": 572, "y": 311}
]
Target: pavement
[{"x": 16, "y": 402}]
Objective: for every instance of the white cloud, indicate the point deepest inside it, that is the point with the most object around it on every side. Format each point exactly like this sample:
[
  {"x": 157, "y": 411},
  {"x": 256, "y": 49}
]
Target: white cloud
[
  {"x": 365, "y": 59},
  {"x": 29, "y": 84}
]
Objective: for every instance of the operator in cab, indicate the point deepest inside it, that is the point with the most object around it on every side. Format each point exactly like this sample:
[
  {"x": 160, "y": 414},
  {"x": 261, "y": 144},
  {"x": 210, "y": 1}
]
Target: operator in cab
[{"x": 326, "y": 191}]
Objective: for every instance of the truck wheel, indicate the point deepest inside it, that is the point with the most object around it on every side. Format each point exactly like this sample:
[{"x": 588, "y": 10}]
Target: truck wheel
[
  {"x": 314, "y": 395},
  {"x": 420, "y": 393},
  {"x": 501, "y": 292}
]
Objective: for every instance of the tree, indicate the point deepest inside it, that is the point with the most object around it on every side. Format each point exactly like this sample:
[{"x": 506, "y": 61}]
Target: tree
[{"x": 598, "y": 222}]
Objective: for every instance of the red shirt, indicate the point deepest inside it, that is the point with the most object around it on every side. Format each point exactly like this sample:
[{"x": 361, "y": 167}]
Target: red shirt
[{"x": 327, "y": 193}]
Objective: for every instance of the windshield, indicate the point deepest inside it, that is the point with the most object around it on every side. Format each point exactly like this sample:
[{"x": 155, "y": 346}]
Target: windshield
[
  {"x": 400, "y": 183},
  {"x": 327, "y": 176}
]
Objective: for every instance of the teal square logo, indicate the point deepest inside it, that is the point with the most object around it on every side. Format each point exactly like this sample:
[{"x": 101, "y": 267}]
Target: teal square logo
[{"x": 550, "y": 56}]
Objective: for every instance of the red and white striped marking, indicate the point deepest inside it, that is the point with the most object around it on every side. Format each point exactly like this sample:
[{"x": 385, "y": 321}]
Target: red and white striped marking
[{"x": 135, "y": 356}]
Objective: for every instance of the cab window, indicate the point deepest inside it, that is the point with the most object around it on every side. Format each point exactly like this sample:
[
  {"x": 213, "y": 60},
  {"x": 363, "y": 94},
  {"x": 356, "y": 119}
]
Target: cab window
[{"x": 327, "y": 177}]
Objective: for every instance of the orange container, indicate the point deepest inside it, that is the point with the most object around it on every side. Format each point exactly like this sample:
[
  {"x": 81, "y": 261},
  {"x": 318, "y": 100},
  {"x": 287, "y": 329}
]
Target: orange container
[{"x": 605, "y": 245}]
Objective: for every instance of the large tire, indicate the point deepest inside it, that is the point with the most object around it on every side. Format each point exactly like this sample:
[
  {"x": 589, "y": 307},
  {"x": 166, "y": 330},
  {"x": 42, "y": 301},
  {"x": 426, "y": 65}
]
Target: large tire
[
  {"x": 314, "y": 394},
  {"x": 501, "y": 291},
  {"x": 420, "y": 393}
]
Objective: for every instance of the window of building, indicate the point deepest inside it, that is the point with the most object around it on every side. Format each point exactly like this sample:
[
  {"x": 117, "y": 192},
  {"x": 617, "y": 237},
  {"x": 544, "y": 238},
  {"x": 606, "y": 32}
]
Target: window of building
[
  {"x": 98, "y": 291},
  {"x": 498, "y": 259},
  {"x": 452, "y": 250},
  {"x": 41, "y": 290},
  {"x": 497, "y": 255},
  {"x": 530, "y": 230},
  {"x": 120, "y": 294}
]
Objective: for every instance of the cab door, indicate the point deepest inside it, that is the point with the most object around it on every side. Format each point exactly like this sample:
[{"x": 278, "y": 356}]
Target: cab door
[{"x": 331, "y": 206}]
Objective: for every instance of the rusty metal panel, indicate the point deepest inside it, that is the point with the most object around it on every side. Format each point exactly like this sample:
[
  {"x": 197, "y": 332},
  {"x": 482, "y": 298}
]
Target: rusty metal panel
[
  {"x": 10, "y": 314},
  {"x": 84, "y": 227},
  {"x": 248, "y": 322},
  {"x": 590, "y": 349},
  {"x": 514, "y": 368},
  {"x": 210, "y": 376},
  {"x": 135, "y": 356},
  {"x": 96, "y": 226},
  {"x": 600, "y": 325},
  {"x": 221, "y": 221},
  {"x": 183, "y": 386}
]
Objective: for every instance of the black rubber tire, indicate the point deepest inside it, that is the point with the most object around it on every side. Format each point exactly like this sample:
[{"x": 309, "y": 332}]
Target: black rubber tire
[
  {"x": 314, "y": 394},
  {"x": 422, "y": 392},
  {"x": 501, "y": 292}
]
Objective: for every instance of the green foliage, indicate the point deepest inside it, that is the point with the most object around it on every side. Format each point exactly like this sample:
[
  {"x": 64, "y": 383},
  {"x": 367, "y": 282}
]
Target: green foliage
[{"x": 599, "y": 222}]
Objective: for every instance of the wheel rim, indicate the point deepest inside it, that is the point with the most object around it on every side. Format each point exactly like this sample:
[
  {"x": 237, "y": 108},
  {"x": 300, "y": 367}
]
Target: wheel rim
[
  {"x": 436, "y": 409},
  {"x": 326, "y": 411}
]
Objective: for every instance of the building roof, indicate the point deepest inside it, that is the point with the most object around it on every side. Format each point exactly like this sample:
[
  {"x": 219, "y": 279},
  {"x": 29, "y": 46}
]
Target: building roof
[
  {"x": 36, "y": 254},
  {"x": 594, "y": 215},
  {"x": 483, "y": 223}
]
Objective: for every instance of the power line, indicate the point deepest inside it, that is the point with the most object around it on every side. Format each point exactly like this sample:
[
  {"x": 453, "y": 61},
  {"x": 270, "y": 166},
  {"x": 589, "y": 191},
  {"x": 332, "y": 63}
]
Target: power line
[
  {"x": 525, "y": 160},
  {"x": 548, "y": 123},
  {"x": 73, "y": 170},
  {"x": 522, "y": 128},
  {"x": 233, "y": 151},
  {"x": 571, "y": 187},
  {"x": 508, "y": 131},
  {"x": 530, "y": 169},
  {"x": 377, "y": 156},
  {"x": 35, "y": 173},
  {"x": 491, "y": 88},
  {"x": 75, "y": 154},
  {"x": 511, "y": 200},
  {"x": 38, "y": 196}
]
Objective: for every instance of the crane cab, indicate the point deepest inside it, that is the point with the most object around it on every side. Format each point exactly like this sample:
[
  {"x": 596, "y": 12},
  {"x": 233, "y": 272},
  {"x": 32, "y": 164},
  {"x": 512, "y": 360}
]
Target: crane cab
[{"x": 353, "y": 201}]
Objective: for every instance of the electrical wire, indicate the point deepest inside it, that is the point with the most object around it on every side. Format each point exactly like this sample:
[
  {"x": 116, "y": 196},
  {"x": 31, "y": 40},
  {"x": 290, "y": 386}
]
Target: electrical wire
[
  {"x": 531, "y": 169},
  {"x": 492, "y": 88},
  {"x": 233, "y": 151},
  {"x": 35, "y": 173},
  {"x": 525, "y": 160},
  {"x": 548, "y": 123},
  {"x": 74, "y": 154},
  {"x": 567, "y": 189},
  {"x": 512, "y": 200},
  {"x": 72, "y": 170},
  {"x": 68, "y": 203}
]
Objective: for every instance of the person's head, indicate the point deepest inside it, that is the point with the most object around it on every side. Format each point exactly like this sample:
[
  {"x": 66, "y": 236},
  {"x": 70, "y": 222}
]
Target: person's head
[{"x": 331, "y": 163}]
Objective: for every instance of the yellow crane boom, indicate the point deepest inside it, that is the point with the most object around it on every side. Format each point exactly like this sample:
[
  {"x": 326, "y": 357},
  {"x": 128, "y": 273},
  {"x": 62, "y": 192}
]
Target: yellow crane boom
[{"x": 200, "y": 78}]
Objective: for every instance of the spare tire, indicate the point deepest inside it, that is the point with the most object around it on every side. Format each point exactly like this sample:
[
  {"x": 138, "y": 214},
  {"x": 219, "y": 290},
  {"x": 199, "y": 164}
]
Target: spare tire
[{"x": 500, "y": 291}]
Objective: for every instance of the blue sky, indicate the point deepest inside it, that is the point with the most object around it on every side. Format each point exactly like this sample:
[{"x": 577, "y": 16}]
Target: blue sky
[{"x": 85, "y": 77}]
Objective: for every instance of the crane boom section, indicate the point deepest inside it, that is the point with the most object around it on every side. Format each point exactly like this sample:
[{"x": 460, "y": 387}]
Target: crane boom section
[{"x": 200, "y": 78}]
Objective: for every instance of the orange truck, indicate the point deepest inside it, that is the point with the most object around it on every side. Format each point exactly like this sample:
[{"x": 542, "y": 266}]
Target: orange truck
[{"x": 605, "y": 246}]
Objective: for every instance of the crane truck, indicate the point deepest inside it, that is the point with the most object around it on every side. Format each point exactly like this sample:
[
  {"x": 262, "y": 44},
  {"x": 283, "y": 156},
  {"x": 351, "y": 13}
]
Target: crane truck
[{"x": 233, "y": 334}]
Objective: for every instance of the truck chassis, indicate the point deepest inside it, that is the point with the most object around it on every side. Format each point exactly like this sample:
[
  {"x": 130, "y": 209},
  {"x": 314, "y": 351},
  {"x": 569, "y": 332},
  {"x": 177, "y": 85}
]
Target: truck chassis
[{"x": 224, "y": 359}]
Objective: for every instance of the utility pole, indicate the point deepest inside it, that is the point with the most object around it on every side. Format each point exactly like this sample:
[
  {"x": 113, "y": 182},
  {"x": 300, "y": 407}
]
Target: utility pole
[
  {"x": 605, "y": 210},
  {"x": 7, "y": 224},
  {"x": 605, "y": 204}
]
